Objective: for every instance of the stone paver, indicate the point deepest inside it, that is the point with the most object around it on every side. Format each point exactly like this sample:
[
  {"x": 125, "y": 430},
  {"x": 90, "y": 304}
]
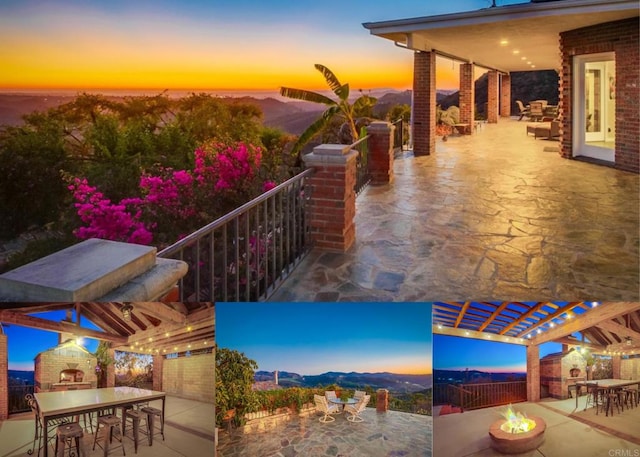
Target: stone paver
[
  {"x": 494, "y": 215},
  {"x": 390, "y": 434}
]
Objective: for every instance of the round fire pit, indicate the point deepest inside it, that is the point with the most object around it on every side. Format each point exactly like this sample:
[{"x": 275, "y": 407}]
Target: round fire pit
[{"x": 516, "y": 443}]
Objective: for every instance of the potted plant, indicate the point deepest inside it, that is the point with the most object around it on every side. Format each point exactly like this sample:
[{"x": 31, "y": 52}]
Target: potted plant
[
  {"x": 590, "y": 360},
  {"x": 344, "y": 395},
  {"x": 234, "y": 379}
]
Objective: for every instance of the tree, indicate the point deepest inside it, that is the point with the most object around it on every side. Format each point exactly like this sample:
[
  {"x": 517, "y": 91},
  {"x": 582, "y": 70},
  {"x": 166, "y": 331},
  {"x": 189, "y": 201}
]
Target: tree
[
  {"x": 104, "y": 360},
  {"x": 234, "y": 381},
  {"x": 340, "y": 107}
]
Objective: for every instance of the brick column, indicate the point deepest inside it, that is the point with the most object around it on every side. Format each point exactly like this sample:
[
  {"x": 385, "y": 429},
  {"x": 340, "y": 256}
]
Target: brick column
[
  {"x": 4, "y": 377},
  {"x": 333, "y": 198},
  {"x": 380, "y": 152},
  {"x": 111, "y": 369},
  {"x": 158, "y": 361},
  {"x": 533, "y": 373},
  {"x": 382, "y": 400},
  {"x": 492, "y": 96},
  {"x": 467, "y": 94},
  {"x": 616, "y": 362},
  {"x": 505, "y": 96},
  {"x": 423, "y": 116}
]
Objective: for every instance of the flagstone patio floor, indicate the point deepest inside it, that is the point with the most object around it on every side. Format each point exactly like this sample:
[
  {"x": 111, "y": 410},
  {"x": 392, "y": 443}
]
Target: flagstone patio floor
[
  {"x": 390, "y": 434},
  {"x": 189, "y": 432},
  {"x": 493, "y": 215}
]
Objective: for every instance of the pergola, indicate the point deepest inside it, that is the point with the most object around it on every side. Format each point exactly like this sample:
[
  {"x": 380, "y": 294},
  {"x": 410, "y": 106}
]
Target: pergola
[
  {"x": 611, "y": 328},
  {"x": 152, "y": 328}
]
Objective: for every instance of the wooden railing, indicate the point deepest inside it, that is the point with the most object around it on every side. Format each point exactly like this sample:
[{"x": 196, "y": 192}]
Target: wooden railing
[{"x": 473, "y": 396}]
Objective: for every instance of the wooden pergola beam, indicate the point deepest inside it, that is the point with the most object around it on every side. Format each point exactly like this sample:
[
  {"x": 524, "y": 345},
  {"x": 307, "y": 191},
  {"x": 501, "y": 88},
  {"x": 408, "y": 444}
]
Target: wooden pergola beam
[
  {"x": 495, "y": 314},
  {"x": 160, "y": 311},
  {"x": 619, "y": 330},
  {"x": 591, "y": 318},
  {"x": 59, "y": 327},
  {"x": 523, "y": 317},
  {"x": 559, "y": 311},
  {"x": 474, "y": 334},
  {"x": 461, "y": 314},
  {"x": 575, "y": 342}
]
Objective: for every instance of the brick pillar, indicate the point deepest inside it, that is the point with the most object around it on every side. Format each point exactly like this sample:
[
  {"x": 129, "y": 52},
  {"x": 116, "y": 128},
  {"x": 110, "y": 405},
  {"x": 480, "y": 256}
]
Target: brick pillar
[
  {"x": 505, "y": 96},
  {"x": 467, "y": 94},
  {"x": 533, "y": 373},
  {"x": 492, "y": 96},
  {"x": 333, "y": 198},
  {"x": 423, "y": 116},
  {"x": 380, "y": 152},
  {"x": 4, "y": 377},
  {"x": 616, "y": 362},
  {"x": 111, "y": 369},
  {"x": 158, "y": 361},
  {"x": 382, "y": 400}
]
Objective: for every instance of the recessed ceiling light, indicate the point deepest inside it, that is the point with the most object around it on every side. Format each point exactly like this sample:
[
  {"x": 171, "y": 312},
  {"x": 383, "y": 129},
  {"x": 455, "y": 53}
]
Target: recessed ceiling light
[
  {"x": 515, "y": 51},
  {"x": 533, "y": 66},
  {"x": 523, "y": 58},
  {"x": 504, "y": 42}
]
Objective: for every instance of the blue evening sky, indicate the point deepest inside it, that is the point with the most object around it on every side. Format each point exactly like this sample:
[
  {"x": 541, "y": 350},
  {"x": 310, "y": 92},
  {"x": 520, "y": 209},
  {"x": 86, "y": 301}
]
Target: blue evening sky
[
  {"x": 313, "y": 338},
  {"x": 25, "y": 343}
]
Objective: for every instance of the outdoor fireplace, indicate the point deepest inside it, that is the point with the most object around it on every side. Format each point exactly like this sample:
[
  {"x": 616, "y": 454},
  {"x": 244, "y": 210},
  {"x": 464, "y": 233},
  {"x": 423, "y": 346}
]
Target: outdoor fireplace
[
  {"x": 517, "y": 433},
  {"x": 559, "y": 373},
  {"x": 67, "y": 366}
]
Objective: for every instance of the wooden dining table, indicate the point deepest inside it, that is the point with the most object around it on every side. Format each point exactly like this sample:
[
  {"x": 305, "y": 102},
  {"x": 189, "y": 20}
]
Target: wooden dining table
[
  {"x": 54, "y": 405},
  {"x": 607, "y": 384}
]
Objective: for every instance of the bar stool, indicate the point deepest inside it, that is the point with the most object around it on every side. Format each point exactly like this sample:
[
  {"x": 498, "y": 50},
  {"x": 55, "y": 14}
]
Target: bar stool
[
  {"x": 630, "y": 396},
  {"x": 65, "y": 433},
  {"x": 136, "y": 416},
  {"x": 151, "y": 413},
  {"x": 613, "y": 397},
  {"x": 593, "y": 396},
  {"x": 109, "y": 422}
]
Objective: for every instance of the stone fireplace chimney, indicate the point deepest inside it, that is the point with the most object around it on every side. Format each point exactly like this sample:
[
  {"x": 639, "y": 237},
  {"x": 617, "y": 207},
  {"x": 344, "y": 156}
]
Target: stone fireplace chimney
[{"x": 65, "y": 367}]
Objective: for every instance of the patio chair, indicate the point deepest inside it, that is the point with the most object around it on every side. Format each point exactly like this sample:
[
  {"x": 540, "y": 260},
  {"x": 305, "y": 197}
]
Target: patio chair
[
  {"x": 39, "y": 429},
  {"x": 594, "y": 397},
  {"x": 323, "y": 406},
  {"x": 355, "y": 410},
  {"x": 334, "y": 408},
  {"x": 536, "y": 111},
  {"x": 524, "y": 111},
  {"x": 358, "y": 394}
]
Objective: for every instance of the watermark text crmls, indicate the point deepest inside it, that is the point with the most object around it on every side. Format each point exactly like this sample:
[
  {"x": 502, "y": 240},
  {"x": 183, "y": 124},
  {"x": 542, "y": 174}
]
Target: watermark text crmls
[{"x": 624, "y": 452}]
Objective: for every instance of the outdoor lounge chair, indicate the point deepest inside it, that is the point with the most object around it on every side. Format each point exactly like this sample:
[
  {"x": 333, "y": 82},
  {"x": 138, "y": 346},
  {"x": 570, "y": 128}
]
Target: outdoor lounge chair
[
  {"x": 355, "y": 410},
  {"x": 358, "y": 394},
  {"x": 323, "y": 406},
  {"x": 536, "y": 111},
  {"x": 523, "y": 111}
]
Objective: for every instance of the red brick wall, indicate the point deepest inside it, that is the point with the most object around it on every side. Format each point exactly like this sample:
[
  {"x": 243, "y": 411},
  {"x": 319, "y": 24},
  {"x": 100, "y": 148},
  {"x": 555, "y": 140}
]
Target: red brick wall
[
  {"x": 621, "y": 37},
  {"x": 467, "y": 94},
  {"x": 424, "y": 103},
  {"x": 630, "y": 368},
  {"x": 190, "y": 377},
  {"x": 492, "y": 96},
  {"x": 505, "y": 96},
  {"x": 380, "y": 152},
  {"x": 4, "y": 378}
]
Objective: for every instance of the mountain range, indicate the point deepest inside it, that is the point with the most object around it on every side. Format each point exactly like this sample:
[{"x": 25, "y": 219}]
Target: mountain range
[{"x": 397, "y": 383}]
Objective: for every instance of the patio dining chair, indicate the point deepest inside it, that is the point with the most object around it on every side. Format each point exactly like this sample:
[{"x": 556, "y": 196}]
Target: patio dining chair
[
  {"x": 524, "y": 111},
  {"x": 323, "y": 406},
  {"x": 355, "y": 410},
  {"x": 333, "y": 407},
  {"x": 536, "y": 111},
  {"x": 358, "y": 394},
  {"x": 594, "y": 396},
  {"x": 39, "y": 429}
]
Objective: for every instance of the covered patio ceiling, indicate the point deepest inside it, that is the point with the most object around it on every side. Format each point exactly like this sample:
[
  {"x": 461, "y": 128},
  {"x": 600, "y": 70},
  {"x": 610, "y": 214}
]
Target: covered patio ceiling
[
  {"x": 153, "y": 327},
  {"x": 521, "y": 37},
  {"x": 609, "y": 327}
]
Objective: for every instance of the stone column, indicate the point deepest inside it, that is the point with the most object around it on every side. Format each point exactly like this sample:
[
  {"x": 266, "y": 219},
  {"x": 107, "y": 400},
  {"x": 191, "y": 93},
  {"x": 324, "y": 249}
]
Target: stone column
[
  {"x": 533, "y": 373},
  {"x": 423, "y": 116},
  {"x": 4, "y": 377},
  {"x": 380, "y": 152},
  {"x": 158, "y": 361},
  {"x": 467, "y": 95},
  {"x": 333, "y": 198},
  {"x": 505, "y": 96},
  {"x": 111, "y": 369},
  {"x": 382, "y": 400},
  {"x": 492, "y": 96}
]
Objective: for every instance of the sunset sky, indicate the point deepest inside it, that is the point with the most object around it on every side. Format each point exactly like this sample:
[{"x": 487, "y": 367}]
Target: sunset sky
[
  {"x": 313, "y": 338},
  {"x": 208, "y": 45}
]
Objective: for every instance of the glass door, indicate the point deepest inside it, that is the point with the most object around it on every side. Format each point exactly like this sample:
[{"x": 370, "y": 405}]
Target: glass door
[{"x": 594, "y": 99}]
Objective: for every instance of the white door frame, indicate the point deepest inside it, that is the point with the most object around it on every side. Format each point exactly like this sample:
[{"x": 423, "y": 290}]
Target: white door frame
[{"x": 580, "y": 145}]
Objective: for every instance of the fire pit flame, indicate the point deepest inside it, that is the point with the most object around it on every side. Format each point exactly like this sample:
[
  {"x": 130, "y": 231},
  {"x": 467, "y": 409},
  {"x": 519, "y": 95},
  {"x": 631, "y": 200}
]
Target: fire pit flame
[{"x": 516, "y": 422}]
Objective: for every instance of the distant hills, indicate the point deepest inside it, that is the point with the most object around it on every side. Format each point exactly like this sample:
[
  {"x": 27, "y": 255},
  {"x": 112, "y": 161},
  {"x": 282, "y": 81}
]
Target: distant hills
[
  {"x": 471, "y": 376},
  {"x": 21, "y": 376},
  {"x": 397, "y": 383}
]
